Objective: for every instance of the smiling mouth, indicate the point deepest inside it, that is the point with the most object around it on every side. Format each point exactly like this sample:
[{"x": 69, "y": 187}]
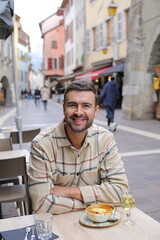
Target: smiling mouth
[{"x": 78, "y": 119}]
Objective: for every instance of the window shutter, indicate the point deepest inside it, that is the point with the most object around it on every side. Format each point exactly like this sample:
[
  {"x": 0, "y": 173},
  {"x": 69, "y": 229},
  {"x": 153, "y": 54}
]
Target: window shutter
[
  {"x": 102, "y": 34},
  {"x": 97, "y": 37},
  {"x": 49, "y": 63},
  {"x": 120, "y": 26},
  {"x": 88, "y": 41},
  {"x": 61, "y": 62}
]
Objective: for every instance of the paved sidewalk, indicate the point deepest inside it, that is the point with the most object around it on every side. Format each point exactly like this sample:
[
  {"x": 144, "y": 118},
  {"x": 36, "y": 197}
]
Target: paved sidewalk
[{"x": 137, "y": 141}]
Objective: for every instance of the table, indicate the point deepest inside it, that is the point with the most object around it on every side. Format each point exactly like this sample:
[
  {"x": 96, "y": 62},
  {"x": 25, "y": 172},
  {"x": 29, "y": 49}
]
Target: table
[
  {"x": 67, "y": 227},
  {"x": 14, "y": 154}
]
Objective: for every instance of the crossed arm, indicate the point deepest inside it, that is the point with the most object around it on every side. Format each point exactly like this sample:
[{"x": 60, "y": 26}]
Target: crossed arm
[{"x": 68, "y": 192}]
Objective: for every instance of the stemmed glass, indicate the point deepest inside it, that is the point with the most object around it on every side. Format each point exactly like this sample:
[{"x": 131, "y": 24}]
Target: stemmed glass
[{"x": 128, "y": 203}]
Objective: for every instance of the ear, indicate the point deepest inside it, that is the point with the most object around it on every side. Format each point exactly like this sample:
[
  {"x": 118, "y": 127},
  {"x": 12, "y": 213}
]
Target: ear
[
  {"x": 63, "y": 108},
  {"x": 96, "y": 109}
]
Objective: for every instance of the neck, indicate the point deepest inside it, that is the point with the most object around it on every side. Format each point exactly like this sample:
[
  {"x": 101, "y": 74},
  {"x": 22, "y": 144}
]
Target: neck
[{"x": 76, "y": 138}]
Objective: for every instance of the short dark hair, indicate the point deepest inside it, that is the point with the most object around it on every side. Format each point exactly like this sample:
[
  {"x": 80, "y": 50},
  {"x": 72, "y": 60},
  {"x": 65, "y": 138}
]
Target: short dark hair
[{"x": 81, "y": 85}]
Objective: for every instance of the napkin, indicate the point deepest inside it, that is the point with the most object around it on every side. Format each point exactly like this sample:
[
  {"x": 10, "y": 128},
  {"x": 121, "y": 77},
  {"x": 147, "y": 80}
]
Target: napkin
[{"x": 19, "y": 234}]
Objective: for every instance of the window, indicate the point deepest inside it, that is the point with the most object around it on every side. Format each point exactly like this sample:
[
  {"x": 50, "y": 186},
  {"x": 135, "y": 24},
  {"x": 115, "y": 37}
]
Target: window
[
  {"x": 54, "y": 44},
  {"x": 71, "y": 31},
  {"x": 21, "y": 76},
  {"x": 53, "y": 63},
  {"x": 77, "y": 22},
  {"x": 88, "y": 41}
]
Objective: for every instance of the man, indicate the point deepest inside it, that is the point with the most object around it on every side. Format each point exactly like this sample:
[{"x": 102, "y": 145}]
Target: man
[
  {"x": 109, "y": 97},
  {"x": 75, "y": 163}
]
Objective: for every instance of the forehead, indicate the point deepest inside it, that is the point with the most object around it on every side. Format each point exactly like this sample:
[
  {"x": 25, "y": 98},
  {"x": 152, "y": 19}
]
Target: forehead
[{"x": 80, "y": 96}]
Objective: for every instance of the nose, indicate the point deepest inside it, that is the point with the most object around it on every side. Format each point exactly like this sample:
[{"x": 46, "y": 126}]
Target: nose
[{"x": 79, "y": 111}]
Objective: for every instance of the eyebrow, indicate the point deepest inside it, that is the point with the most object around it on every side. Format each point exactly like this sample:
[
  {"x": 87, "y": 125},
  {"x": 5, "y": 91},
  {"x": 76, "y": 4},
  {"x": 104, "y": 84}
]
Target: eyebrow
[{"x": 71, "y": 102}]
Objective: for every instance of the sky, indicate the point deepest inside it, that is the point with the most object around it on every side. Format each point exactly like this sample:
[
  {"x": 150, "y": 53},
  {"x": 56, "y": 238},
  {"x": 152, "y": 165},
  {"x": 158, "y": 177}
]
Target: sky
[{"x": 31, "y": 13}]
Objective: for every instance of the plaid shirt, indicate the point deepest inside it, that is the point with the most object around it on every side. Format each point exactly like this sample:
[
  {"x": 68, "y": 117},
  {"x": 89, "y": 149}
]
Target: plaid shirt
[{"x": 96, "y": 168}]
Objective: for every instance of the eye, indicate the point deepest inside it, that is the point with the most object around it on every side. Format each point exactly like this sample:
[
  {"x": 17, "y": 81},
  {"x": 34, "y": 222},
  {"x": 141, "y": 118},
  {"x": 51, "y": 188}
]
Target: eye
[
  {"x": 72, "y": 105},
  {"x": 86, "y": 106}
]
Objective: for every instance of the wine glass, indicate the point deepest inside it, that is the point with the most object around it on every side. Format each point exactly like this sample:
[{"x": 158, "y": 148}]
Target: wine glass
[{"x": 128, "y": 203}]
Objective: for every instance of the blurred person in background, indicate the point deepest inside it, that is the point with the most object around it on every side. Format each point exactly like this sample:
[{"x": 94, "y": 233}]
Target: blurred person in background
[
  {"x": 109, "y": 96},
  {"x": 45, "y": 95},
  {"x": 37, "y": 96}
]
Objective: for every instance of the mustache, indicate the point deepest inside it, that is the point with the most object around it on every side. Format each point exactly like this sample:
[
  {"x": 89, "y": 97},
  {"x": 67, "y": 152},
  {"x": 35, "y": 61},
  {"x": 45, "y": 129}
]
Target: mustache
[{"x": 80, "y": 117}]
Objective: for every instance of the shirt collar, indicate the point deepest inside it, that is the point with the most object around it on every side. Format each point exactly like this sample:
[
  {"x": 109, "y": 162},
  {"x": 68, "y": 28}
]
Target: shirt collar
[{"x": 62, "y": 138}]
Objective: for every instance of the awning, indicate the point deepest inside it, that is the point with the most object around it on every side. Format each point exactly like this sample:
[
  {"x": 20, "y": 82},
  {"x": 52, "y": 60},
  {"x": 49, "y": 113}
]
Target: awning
[
  {"x": 65, "y": 78},
  {"x": 117, "y": 68},
  {"x": 91, "y": 75}
]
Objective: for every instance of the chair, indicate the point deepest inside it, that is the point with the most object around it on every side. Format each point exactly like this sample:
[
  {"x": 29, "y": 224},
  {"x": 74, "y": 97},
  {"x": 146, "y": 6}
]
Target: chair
[
  {"x": 6, "y": 145},
  {"x": 27, "y": 135},
  {"x": 10, "y": 168}
]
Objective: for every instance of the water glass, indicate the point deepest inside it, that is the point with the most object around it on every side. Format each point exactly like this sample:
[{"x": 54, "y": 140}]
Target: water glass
[{"x": 43, "y": 224}]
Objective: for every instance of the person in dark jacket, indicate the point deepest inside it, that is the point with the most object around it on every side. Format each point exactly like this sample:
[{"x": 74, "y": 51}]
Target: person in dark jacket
[{"x": 108, "y": 96}]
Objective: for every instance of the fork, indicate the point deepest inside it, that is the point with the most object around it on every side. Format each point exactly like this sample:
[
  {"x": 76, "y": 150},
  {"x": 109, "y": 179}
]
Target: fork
[{"x": 28, "y": 229}]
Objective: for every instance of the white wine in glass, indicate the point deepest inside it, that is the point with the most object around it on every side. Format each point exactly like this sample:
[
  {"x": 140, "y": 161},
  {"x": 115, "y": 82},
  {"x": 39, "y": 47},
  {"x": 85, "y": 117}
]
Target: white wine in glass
[{"x": 128, "y": 203}]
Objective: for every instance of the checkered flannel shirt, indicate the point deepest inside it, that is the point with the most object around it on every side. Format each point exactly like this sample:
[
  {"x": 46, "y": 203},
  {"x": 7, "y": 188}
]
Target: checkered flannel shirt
[{"x": 96, "y": 169}]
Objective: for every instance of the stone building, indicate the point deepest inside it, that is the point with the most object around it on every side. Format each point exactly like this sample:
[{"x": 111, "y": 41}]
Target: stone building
[{"x": 142, "y": 55}]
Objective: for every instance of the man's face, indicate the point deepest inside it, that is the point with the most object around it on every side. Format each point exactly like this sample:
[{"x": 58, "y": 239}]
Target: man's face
[{"x": 79, "y": 110}]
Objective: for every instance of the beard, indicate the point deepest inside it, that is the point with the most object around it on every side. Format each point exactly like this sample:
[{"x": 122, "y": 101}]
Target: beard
[{"x": 78, "y": 127}]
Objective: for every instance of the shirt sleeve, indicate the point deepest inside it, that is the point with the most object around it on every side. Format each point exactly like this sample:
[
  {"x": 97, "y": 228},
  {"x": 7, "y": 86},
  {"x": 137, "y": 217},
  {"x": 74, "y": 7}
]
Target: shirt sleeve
[
  {"x": 113, "y": 180},
  {"x": 40, "y": 184}
]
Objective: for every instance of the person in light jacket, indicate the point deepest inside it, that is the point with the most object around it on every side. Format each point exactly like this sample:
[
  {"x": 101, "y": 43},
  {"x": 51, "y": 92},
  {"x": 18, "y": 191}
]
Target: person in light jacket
[{"x": 45, "y": 95}]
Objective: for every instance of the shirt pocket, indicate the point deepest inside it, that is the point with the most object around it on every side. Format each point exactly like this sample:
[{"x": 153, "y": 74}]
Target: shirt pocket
[
  {"x": 90, "y": 177},
  {"x": 62, "y": 179}
]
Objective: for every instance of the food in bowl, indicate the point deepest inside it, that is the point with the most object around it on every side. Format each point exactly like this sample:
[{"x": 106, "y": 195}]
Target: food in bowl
[{"x": 100, "y": 212}]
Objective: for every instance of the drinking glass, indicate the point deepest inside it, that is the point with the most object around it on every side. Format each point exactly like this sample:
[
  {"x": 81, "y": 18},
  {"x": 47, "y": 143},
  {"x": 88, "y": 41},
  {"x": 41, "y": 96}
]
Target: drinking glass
[
  {"x": 43, "y": 223},
  {"x": 128, "y": 203}
]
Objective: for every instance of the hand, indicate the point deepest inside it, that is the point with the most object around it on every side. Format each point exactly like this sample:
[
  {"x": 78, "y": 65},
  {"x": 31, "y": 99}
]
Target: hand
[{"x": 69, "y": 192}]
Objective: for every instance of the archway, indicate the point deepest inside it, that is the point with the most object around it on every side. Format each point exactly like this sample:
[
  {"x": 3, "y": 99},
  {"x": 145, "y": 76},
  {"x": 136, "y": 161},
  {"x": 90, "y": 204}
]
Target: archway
[{"x": 7, "y": 91}]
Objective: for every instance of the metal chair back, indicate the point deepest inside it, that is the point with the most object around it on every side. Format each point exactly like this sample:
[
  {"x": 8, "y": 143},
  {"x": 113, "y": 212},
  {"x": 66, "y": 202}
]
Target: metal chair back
[
  {"x": 27, "y": 135},
  {"x": 6, "y": 144},
  {"x": 10, "y": 168}
]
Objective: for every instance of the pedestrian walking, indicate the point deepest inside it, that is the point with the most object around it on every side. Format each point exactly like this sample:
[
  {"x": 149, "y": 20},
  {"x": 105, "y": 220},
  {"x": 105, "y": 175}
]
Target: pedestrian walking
[
  {"x": 108, "y": 96},
  {"x": 75, "y": 163},
  {"x": 45, "y": 95},
  {"x": 37, "y": 96}
]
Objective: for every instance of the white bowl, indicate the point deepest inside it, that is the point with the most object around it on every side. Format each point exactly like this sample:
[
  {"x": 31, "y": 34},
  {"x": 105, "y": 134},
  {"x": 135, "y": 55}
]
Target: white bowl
[{"x": 100, "y": 212}]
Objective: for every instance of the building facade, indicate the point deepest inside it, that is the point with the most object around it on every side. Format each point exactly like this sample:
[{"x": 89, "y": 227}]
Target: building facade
[
  {"x": 6, "y": 71},
  {"x": 23, "y": 48},
  {"x": 52, "y": 29}
]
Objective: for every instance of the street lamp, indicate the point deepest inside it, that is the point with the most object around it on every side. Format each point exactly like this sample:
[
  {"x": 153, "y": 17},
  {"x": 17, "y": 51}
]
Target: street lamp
[
  {"x": 112, "y": 8},
  {"x": 104, "y": 50}
]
